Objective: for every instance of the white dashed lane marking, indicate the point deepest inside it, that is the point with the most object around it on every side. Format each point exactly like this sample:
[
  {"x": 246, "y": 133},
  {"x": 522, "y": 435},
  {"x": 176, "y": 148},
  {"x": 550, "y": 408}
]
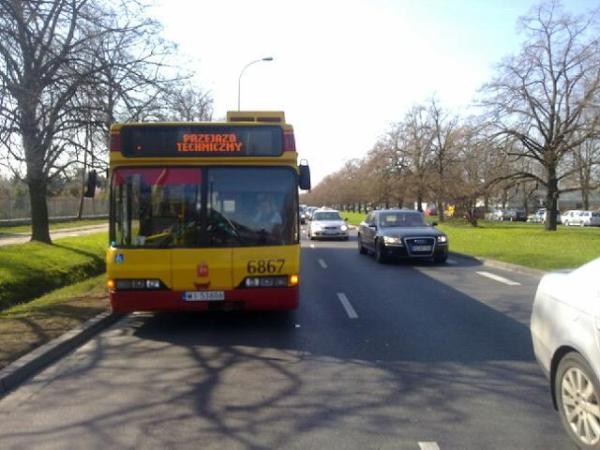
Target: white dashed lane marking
[
  {"x": 323, "y": 264},
  {"x": 451, "y": 262},
  {"x": 429, "y": 446},
  {"x": 347, "y": 306},
  {"x": 312, "y": 245},
  {"x": 498, "y": 278}
]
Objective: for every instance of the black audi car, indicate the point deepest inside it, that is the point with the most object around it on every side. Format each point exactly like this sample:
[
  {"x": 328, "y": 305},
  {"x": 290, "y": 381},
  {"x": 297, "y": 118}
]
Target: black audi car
[{"x": 401, "y": 233}]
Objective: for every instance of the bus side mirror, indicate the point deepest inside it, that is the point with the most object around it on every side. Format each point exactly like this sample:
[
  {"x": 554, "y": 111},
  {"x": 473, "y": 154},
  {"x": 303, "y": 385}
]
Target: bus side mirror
[
  {"x": 90, "y": 189},
  {"x": 304, "y": 177}
]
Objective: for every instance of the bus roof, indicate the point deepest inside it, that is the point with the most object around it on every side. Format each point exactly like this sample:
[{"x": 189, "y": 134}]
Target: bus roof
[{"x": 256, "y": 116}]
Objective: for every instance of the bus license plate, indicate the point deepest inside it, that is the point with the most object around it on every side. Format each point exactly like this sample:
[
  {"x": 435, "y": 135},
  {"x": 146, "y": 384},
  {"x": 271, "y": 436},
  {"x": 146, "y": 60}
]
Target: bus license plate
[
  {"x": 204, "y": 296},
  {"x": 421, "y": 248}
]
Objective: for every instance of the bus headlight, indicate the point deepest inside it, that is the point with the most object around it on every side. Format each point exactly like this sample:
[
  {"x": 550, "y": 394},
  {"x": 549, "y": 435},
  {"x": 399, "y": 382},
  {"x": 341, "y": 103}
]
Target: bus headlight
[
  {"x": 152, "y": 284},
  {"x": 266, "y": 282},
  {"x": 131, "y": 285}
]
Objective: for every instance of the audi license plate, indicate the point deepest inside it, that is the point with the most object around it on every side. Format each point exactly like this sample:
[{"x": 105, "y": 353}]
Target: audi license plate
[
  {"x": 421, "y": 248},
  {"x": 204, "y": 296}
]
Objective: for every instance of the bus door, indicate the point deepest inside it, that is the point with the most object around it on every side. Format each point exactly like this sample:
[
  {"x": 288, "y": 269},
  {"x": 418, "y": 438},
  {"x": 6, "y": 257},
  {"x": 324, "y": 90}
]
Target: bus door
[{"x": 205, "y": 264}]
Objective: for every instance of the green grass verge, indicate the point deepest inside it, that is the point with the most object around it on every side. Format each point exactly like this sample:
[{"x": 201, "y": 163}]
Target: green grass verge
[
  {"x": 526, "y": 244},
  {"x": 26, "y": 229},
  {"x": 26, "y": 326},
  {"x": 32, "y": 269},
  {"x": 91, "y": 288},
  {"x": 354, "y": 218}
]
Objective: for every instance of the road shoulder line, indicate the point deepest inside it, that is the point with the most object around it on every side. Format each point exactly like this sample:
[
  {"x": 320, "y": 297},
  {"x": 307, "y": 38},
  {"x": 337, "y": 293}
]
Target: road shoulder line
[
  {"x": 36, "y": 360},
  {"x": 501, "y": 265},
  {"x": 498, "y": 278}
]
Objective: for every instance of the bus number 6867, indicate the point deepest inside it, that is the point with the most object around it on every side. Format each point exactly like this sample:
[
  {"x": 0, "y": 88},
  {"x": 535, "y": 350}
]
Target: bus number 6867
[{"x": 265, "y": 266}]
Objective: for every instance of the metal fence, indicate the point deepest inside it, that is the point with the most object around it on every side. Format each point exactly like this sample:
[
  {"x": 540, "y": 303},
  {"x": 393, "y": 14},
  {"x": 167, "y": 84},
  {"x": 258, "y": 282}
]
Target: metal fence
[{"x": 18, "y": 208}]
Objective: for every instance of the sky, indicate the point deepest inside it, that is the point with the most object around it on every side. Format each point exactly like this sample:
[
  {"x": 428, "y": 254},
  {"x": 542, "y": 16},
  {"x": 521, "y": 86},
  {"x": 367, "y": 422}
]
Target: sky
[{"x": 343, "y": 70}]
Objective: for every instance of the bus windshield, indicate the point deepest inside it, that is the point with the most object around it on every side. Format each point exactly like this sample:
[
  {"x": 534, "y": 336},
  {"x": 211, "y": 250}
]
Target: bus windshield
[{"x": 203, "y": 207}]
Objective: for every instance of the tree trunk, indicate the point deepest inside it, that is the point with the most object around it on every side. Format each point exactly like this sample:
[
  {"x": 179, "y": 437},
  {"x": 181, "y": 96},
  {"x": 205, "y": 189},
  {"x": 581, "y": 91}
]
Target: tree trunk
[
  {"x": 83, "y": 172},
  {"x": 585, "y": 197},
  {"x": 551, "y": 201},
  {"x": 39, "y": 211},
  {"x": 472, "y": 216},
  {"x": 420, "y": 202},
  {"x": 440, "y": 210}
]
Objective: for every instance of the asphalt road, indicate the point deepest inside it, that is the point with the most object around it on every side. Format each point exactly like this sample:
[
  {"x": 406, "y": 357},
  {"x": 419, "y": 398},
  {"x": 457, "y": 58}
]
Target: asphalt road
[{"x": 399, "y": 356}]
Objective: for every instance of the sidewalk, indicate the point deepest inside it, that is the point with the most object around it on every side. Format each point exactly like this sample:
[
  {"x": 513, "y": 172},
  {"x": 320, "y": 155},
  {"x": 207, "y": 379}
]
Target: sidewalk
[{"x": 57, "y": 234}]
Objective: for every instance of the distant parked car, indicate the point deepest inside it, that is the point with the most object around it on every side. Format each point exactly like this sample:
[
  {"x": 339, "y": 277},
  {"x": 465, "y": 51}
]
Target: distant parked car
[
  {"x": 571, "y": 217},
  {"x": 509, "y": 215},
  {"x": 590, "y": 219},
  {"x": 400, "y": 233},
  {"x": 565, "y": 335},
  {"x": 581, "y": 218},
  {"x": 496, "y": 215},
  {"x": 431, "y": 211},
  {"x": 540, "y": 216},
  {"x": 520, "y": 214}
]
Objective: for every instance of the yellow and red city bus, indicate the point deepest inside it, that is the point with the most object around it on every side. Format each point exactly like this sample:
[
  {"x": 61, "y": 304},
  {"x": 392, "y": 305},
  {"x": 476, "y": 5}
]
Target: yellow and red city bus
[{"x": 204, "y": 216}]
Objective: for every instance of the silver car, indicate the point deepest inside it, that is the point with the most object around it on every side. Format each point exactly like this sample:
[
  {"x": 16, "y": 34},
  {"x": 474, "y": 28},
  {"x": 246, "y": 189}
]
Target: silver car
[
  {"x": 565, "y": 329},
  {"x": 327, "y": 223}
]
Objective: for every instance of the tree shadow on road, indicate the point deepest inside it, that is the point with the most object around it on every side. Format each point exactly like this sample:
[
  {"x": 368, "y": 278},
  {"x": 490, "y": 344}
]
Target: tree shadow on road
[{"x": 422, "y": 360}]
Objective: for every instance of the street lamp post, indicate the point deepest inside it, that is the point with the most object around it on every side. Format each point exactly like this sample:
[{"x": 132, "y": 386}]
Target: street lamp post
[{"x": 268, "y": 58}]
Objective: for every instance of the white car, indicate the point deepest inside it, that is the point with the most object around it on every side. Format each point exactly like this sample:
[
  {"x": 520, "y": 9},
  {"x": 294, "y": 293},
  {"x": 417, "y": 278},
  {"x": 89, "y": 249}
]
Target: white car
[
  {"x": 327, "y": 224},
  {"x": 565, "y": 330},
  {"x": 569, "y": 217},
  {"x": 582, "y": 218},
  {"x": 540, "y": 216}
]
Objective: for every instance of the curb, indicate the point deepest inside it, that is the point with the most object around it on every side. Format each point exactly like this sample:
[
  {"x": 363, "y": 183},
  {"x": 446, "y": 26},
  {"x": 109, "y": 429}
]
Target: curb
[
  {"x": 31, "y": 363},
  {"x": 501, "y": 265}
]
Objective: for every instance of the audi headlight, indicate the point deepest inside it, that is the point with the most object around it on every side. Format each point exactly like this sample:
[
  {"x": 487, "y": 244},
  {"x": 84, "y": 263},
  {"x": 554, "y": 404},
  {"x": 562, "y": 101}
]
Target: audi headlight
[
  {"x": 316, "y": 227},
  {"x": 442, "y": 239},
  {"x": 388, "y": 240}
]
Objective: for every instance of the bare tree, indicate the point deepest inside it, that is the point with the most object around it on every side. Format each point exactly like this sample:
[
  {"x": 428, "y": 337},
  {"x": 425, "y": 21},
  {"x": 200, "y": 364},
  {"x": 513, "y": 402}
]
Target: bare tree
[
  {"x": 416, "y": 141},
  {"x": 185, "y": 103},
  {"x": 586, "y": 158},
  {"x": 540, "y": 97},
  {"x": 52, "y": 52},
  {"x": 44, "y": 61},
  {"x": 443, "y": 128}
]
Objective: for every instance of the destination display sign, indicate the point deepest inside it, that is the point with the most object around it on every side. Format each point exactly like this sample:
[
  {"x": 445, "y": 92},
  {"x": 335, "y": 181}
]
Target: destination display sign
[{"x": 200, "y": 140}]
